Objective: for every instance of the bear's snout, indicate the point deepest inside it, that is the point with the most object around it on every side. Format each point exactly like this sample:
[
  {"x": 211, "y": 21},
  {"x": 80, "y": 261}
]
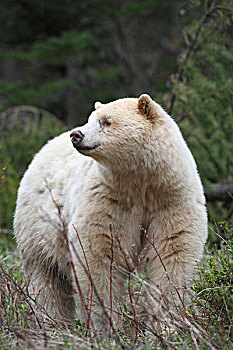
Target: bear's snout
[{"x": 76, "y": 137}]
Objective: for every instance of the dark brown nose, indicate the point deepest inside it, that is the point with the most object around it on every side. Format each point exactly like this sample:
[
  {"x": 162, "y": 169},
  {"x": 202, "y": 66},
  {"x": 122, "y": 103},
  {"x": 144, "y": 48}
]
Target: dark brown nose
[{"x": 76, "y": 137}]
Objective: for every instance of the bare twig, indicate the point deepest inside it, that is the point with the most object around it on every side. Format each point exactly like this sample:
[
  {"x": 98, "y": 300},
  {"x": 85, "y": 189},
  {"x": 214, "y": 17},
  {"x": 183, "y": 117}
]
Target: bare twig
[
  {"x": 161, "y": 260},
  {"x": 2, "y": 174},
  {"x": 129, "y": 280},
  {"x": 190, "y": 45},
  {"x": 28, "y": 299},
  {"x": 63, "y": 232},
  {"x": 96, "y": 292},
  {"x": 111, "y": 266},
  {"x": 90, "y": 279},
  {"x": 229, "y": 9}
]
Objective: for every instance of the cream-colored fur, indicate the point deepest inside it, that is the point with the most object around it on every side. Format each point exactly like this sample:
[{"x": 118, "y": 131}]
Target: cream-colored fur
[{"x": 132, "y": 167}]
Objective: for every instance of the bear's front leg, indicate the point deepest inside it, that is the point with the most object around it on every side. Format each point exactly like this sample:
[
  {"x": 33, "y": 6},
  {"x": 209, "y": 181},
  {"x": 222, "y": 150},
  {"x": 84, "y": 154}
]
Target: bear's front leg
[
  {"x": 171, "y": 260},
  {"x": 97, "y": 276}
]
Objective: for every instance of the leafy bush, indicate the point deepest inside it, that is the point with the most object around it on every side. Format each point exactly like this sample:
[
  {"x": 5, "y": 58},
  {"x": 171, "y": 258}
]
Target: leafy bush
[
  {"x": 214, "y": 288},
  {"x": 204, "y": 324}
]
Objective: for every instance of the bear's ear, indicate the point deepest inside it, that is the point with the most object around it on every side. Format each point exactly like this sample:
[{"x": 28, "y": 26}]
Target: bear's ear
[
  {"x": 98, "y": 105},
  {"x": 148, "y": 108}
]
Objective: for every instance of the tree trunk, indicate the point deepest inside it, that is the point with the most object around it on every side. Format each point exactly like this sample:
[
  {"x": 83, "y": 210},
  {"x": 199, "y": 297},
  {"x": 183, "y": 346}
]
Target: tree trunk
[{"x": 220, "y": 192}]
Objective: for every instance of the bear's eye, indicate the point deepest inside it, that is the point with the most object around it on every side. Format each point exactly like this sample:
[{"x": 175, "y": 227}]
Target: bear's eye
[{"x": 106, "y": 123}]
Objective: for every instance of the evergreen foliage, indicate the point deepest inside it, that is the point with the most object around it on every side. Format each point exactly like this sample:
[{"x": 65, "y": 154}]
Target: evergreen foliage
[
  {"x": 65, "y": 55},
  {"x": 203, "y": 99},
  {"x": 103, "y": 48}
]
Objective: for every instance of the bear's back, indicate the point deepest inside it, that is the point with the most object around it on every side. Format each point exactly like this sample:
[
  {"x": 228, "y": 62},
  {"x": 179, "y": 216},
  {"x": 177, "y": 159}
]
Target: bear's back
[{"x": 46, "y": 184}]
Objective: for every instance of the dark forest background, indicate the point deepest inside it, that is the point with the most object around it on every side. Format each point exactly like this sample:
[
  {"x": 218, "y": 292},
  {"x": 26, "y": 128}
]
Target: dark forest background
[{"x": 59, "y": 57}]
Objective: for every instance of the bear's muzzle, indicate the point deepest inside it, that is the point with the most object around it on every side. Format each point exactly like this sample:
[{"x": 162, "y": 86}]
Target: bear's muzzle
[{"x": 76, "y": 138}]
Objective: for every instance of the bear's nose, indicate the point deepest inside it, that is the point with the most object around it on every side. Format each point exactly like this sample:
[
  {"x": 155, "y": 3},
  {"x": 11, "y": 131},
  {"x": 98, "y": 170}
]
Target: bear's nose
[{"x": 76, "y": 137}]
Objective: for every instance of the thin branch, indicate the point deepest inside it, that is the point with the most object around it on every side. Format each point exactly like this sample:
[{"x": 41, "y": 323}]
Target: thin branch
[
  {"x": 219, "y": 192},
  {"x": 224, "y": 8},
  {"x": 191, "y": 46},
  {"x": 89, "y": 273},
  {"x": 111, "y": 278},
  {"x": 95, "y": 291},
  {"x": 2, "y": 174},
  {"x": 186, "y": 38},
  {"x": 162, "y": 263}
]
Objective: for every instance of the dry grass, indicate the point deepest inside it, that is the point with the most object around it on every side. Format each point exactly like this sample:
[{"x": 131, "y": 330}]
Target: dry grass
[{"x": 191, "y": 327}]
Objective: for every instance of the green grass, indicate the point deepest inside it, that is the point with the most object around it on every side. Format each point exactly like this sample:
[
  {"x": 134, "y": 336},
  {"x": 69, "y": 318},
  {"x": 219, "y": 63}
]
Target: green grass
[{"x": 206, "y": 323}]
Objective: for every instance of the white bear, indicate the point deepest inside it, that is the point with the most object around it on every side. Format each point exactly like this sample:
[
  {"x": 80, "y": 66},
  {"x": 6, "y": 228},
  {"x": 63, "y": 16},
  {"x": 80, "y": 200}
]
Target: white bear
[{"x": 84, "y": 196}]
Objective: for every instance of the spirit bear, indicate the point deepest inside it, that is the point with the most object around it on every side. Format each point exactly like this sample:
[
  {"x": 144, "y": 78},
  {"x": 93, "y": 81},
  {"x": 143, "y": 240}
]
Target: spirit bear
[{"x": 87, "y": 194}]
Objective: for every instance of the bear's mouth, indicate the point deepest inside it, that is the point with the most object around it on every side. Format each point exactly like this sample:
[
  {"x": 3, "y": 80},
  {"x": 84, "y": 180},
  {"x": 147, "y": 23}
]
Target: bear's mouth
[{"x": 83, "y": 149}]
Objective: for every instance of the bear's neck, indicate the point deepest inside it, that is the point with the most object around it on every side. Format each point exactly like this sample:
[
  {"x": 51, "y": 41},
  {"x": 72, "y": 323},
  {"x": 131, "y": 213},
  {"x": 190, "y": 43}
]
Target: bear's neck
[
  {"x": 142, "y": 186},
  {"x": 133, "y": 184}
]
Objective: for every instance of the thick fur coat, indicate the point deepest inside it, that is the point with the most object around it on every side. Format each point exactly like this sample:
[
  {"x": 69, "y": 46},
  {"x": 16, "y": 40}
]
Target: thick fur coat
[{"x": 89, "y": 194}]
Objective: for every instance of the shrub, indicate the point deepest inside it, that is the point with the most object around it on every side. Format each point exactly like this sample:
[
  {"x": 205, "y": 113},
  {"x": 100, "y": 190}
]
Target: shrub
[
  {"x": 204, "y": 324},
  {"x": 214, "y": 289}
]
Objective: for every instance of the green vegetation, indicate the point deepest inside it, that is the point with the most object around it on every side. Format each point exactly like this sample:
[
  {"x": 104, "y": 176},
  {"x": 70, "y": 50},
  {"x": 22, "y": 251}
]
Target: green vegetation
[
  {"x": 102, "y": 50},
  {"x": 84, "y": 51},
  {"x": 201, "y": 100},
  {"x": 206, "y": 323},
  {"x": 214, "y": 288},
  {"x": 63, "y": 56}
]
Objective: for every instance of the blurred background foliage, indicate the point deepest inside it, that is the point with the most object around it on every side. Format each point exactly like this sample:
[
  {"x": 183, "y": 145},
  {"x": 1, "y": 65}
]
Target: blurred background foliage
[{"x": 62, "y": 56}]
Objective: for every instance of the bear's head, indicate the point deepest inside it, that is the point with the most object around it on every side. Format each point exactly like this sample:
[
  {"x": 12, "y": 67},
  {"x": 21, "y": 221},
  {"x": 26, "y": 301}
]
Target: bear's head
[{"x": 120, "y": 132}]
